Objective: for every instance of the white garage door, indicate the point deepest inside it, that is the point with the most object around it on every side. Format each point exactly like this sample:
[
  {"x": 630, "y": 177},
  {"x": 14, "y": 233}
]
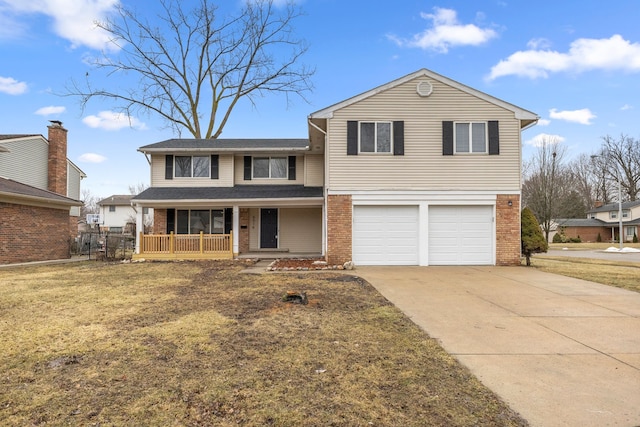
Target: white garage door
[
  {"x": 385, "y": 235},
  {"x": 461, "y": 235}
]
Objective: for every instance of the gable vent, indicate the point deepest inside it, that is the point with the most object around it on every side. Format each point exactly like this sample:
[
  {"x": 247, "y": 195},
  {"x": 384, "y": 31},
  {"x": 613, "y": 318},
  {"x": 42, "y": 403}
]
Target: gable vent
[{"x": 424, "y": 88}]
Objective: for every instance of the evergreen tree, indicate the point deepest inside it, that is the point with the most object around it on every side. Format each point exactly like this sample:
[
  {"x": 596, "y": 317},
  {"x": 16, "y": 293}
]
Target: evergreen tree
[{"x": 533, "y": 240}]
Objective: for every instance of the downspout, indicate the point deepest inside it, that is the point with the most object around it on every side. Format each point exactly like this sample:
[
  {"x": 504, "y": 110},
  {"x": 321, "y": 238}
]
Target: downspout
[{"x": 326, "y": 180}]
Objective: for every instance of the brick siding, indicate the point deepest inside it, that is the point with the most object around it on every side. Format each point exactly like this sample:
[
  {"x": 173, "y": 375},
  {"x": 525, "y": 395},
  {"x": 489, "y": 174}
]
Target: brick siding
[
  {"x": 243, "y": 237},
  {"x": 30, "y": 233},
  {"x": 339, "y": 226},
  {"x": 508, "y": 247},
  {"x": 159, "y": 221}
]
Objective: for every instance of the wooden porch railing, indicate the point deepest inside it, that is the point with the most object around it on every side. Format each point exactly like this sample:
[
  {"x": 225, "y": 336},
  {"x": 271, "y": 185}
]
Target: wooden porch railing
[{"x": 186, "y": 246}]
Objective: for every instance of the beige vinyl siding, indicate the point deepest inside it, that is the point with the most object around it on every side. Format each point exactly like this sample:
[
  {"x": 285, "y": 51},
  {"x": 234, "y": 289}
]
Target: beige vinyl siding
[
  {"x": 314, "y": 170},
  {"x": 300, "y": 229},
  {"x": 423, "y": 167},
  {"x": 26, "y": 161},
  {"x": 225, "y": 179},
  {"x": 73, "y": 187},
  {"x": 239, "y": 173}
]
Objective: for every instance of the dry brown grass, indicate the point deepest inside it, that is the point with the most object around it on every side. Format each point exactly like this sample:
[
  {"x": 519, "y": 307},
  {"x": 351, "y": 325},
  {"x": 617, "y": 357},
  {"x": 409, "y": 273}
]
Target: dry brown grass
[
  {"x": 621, "y": 274},
  {"x": 201, "y": 344}
]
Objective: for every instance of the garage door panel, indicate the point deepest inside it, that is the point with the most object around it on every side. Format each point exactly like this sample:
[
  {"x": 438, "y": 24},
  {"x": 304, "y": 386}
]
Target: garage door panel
[
  {"x": 461, "y": 235},
  {"x": 385, "y": 235}
]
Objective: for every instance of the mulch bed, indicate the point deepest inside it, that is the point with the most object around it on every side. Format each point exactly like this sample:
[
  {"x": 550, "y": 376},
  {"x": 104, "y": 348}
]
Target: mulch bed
[{"x": 302, "y": 264}]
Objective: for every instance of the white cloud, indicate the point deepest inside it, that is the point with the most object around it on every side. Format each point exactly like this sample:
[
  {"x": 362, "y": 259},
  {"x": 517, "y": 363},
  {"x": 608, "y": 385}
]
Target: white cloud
[
  {"x": 626, "y": 107},
  {"x": 110, "y": 120},
  {"x": 446, "y": 32},
  {"x": 583, "y": 116},
  {"x": 73, "y": 20},
  {"x": 544, "y": 122},
  {"x": 91, "y": 158},
  {"x": 47, "y": 111},
  {"x": 614, "y": 53},
  {"x": 540, "y": 43},
  {"x": 544, "y": 138},
  {"x": 11, "y": 86}
]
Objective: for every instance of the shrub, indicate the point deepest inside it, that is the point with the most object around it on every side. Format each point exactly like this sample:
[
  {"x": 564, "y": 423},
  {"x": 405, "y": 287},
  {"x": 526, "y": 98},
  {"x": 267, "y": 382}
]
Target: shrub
[
  {"x": 599, "y": 238},
  {"x": 635, "y": 237},
  {"x": 557, "y": 238},
  {"x": 533, "y": 240}
]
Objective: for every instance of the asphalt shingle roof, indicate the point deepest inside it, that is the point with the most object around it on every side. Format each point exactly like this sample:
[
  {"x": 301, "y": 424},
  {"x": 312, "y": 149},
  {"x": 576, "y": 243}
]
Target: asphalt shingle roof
[
  {"x": 11, "y": 187},
  {"x": 614, "y": 206},
  {"x": 116, "y": 199},
  {"x": 232, "y": 193}
]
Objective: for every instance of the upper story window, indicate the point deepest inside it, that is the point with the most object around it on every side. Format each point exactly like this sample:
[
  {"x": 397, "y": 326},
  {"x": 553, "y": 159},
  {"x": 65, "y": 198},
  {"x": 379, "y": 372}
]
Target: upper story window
[
  {"x": 270, "y": 167},
  {"x": 375, "y": 137},
  {"x": 112, "y": 208},
  {"x": 470, "y": 137},
  {"x": 192, "y": 166},
  {"x": 613, "y": 214},
  {"x": 626, "y": 213}
]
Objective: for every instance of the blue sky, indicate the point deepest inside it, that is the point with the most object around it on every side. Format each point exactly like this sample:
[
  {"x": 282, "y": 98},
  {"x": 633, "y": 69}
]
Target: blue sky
[{"x": 575, "y": 64}]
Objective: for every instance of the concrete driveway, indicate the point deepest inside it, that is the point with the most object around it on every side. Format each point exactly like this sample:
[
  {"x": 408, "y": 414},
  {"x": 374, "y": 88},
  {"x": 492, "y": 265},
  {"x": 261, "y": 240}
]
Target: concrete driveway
[{"x": 560, "y": 351}]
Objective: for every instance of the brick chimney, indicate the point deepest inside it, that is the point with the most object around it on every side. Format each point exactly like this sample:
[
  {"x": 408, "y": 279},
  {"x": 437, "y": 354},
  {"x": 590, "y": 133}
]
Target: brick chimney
[
  {"x": 598, "y": 204},
  {"x": 57, "y": 176}
]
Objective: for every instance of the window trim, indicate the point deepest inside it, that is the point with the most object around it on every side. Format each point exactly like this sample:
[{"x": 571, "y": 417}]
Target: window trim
[
  {"x": 375, "y": 142},
  {"x": 112, "y": 208},
  {"x": 270, "y": 158},
  {"x": 179, "y": 217},
  {"x": 208, "y": 168},
  {"x": 471, "y": 123}
]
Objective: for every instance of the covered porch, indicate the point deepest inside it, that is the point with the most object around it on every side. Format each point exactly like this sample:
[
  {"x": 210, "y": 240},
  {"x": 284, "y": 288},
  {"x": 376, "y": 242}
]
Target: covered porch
[{"x": 288, "y": 224}]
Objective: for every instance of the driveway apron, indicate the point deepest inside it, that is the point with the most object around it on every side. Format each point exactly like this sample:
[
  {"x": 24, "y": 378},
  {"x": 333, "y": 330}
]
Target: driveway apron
[{"x": 560, "y": 351}]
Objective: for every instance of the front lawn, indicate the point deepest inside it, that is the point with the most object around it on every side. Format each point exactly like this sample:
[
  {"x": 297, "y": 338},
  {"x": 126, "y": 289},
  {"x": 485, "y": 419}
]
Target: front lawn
[{"x": 202, "y": 344}]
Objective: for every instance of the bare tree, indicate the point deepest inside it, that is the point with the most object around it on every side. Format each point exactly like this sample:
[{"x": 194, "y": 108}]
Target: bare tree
[
  {"x": 620, "y": 158},
  {"x": 135, "y": 189},
  {"x": 540, "y": 190},
  {"x": 90, "y": 203},
  {"x": 194, "y": 67}
]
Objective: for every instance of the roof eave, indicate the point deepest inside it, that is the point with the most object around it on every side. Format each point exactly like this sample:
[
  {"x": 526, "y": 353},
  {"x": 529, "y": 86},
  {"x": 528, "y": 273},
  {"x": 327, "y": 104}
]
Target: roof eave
[{"x": 224, "y": 150}]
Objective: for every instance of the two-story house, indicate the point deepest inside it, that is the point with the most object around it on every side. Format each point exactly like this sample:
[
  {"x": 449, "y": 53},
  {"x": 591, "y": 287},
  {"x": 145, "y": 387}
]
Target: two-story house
[
  {"x": 39, "y": 192},
  {"x": 116, "y": 214},
  {"x": 603, "y": 221},
  {"x": 420, "y": 171}
]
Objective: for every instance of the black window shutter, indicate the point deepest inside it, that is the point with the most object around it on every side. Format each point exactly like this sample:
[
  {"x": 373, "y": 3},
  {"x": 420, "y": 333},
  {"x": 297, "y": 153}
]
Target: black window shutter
[
  {"x": 215, "y": 168},
  {"x": 247, "y": 168},
  {"x": 494, "y": 137},
  {"x": 398, "y": 138},
  {"x": 228, "y": 220},
  {"x": 352, "y": 138},
  {"x": 292, "y": 168},
  {"x": 171, "y": 220},
  {"x": 168, "y": 166},
  {"x": 447, "y": 138}
]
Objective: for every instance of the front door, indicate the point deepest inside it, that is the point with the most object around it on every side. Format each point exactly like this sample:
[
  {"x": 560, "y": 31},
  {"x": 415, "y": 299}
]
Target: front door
[{"x": 268, "y": 228}]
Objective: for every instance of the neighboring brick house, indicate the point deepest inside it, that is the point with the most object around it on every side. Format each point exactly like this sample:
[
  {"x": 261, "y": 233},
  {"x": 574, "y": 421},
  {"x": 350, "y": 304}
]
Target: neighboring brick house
[
  {"x": 39, "y": 188},
  {"x": 603, "y": 221},
  {"x": 420, "y": 171}
]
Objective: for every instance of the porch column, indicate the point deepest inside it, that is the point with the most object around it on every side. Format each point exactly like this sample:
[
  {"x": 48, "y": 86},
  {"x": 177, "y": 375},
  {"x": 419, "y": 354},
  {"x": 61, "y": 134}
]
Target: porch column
[
  {"x": 236, "y": 230},
  {"x": 139, "y": 225}
]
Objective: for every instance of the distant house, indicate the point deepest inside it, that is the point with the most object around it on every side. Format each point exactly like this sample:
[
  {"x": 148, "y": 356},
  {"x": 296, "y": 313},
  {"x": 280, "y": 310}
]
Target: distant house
[
  {"x": 39, "y": 192},
  {"x": 602, "y": 220},
  {"x": 117, "y": 215},
  {"x": 422, "y": 170}
]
